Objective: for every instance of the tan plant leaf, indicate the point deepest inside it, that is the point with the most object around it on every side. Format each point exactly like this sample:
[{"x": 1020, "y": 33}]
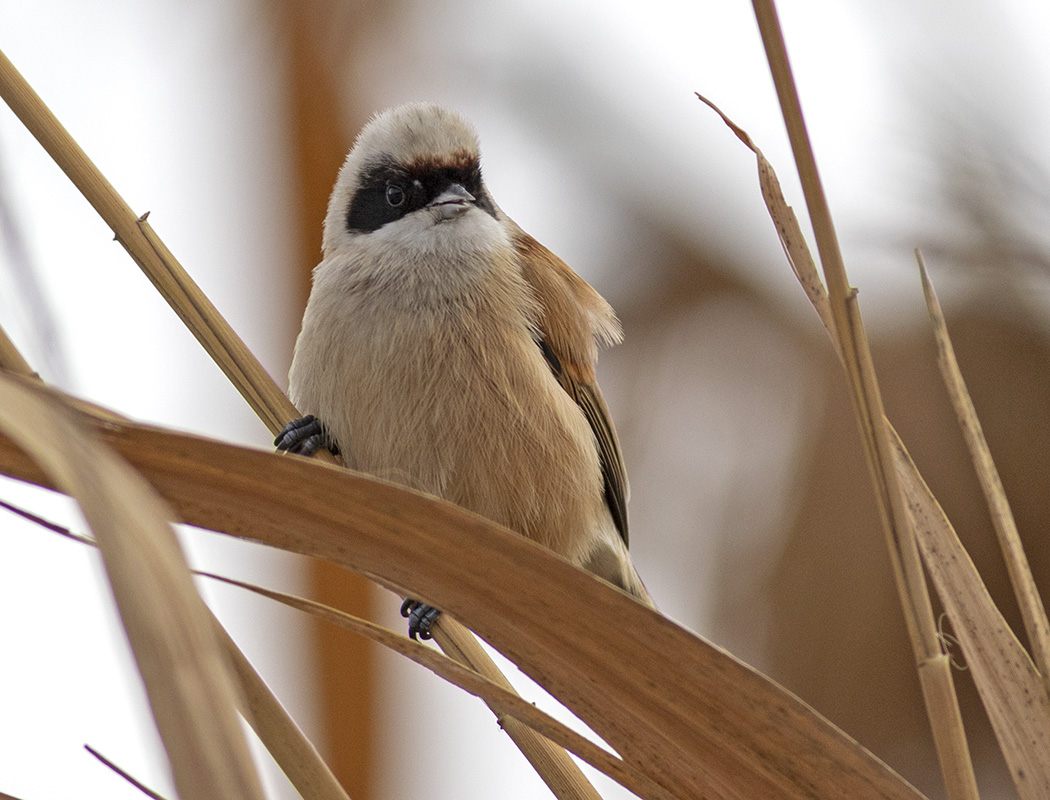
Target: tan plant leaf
[
  {"x": 1012, "y": 690},
  {"x": 681, "y": 711},
  {"x": 185, "y": 672},
  {"x": 1028, "y": 600},
  {"x": 500, "y": 700},
  {"x": 288, "y": 745}
]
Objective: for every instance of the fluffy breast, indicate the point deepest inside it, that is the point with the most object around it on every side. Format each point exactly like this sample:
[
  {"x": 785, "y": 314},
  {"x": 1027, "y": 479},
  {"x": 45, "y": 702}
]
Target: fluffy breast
[{"x": 432, "y": 378}]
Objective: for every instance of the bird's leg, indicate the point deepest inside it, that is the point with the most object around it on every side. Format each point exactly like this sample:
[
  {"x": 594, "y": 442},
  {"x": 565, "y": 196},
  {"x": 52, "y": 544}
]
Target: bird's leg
[
  {"x": 305, "y": 436},
  {"x": 421, "y": 618}
]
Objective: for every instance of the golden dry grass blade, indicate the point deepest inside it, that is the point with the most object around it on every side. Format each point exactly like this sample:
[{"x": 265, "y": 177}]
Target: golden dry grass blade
[
  {"x": 163, "y": 270},
  {"x": 288, "y": 745},
  {"x": 506, "y": 704},
  {"x": 1012, "y": 690},
  {"x": 692, "y": 718},
  {"x": 786, "y": 223},
  {"x": 876, "y": 433},
  {"x": 1031, "y": 604},
  {"x": 185, "y": 672},
  {"x": 559, "y": 771},
  {"x": 938, "y": 688},
  {"x": 125, "y": 775},
  {"x": 544, "y": 756},
  {"x": 295, "y": 754}
]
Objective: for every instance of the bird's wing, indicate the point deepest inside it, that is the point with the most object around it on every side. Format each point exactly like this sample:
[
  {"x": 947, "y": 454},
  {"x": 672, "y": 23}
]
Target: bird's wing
[{"x": 574, "y": 318}]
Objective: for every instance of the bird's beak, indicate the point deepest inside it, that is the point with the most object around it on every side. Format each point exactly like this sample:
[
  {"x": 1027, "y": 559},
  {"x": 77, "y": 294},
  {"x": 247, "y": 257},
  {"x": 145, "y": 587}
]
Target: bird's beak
[{"x": 452, "y": 202}]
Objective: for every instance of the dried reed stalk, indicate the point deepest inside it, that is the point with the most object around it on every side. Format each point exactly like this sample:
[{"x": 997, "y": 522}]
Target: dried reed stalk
[
  {"x": 1015, "y": 696},
  {"x": 459, "y": 645},
  {"x": 289, "y": 746},
  {"x": 933, "y": 667},
  {"x": 507, "y": 705},
  {"x": 555, "y": 766},
  {"x": 686, "y": 715},
  {"x": 1031, "y": 604},
  {"x": 125, "y": 775},
  {"x": 187, "y": 677},
  {"x": 938, "y": 690},
  {"x": 852, "y": 346}
]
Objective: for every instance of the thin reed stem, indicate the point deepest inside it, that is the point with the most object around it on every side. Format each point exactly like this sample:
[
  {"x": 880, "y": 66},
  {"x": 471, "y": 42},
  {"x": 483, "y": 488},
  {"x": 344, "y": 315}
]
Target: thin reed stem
[{"x": 941, "y": 704}]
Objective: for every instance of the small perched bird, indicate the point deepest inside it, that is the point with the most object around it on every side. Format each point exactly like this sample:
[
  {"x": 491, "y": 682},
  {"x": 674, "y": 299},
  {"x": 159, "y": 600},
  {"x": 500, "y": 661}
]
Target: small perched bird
[{"x": 447, "y": 350}]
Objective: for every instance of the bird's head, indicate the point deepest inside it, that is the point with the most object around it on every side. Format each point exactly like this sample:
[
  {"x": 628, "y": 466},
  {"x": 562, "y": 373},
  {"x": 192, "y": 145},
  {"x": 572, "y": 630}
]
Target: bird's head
[{"x": 414, "y": 169}]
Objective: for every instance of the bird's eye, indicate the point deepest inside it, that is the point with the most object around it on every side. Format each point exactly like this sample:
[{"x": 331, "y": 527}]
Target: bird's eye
[{"x": 395, "y": 195}]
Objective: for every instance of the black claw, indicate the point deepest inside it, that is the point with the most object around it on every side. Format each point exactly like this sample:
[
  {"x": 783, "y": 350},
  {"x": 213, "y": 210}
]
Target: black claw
[
  {"x": 304, "y": 436},
  {"x": 421, "y": 618}
]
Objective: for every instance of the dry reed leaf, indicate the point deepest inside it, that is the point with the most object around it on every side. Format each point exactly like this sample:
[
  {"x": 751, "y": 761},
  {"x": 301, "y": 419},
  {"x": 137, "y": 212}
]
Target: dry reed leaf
[
  {"x": 186, "y": 675},
  {"x": 938, "y": 690},
  {"x": 689, "y": 716},
  {"x": 125, "y": 775},
  {"x": 503, "y": 702},
  {"x": 786, "y": 223},
  {"x": 1014, "y": 693},
  {"x": 1012, "y": 690},
  {"x": 293, "y": 752},
  {"x": 1028, "y": 600}
]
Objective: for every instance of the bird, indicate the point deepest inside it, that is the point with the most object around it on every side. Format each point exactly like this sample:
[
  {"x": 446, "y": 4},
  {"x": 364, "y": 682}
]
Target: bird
[{"x": 444, "y": 348}]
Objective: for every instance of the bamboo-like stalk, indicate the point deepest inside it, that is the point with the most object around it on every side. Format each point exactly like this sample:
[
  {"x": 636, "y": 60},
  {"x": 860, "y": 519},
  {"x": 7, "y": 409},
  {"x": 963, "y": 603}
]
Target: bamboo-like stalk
[
  {"x": 1033, "y": 613},
  {"x": 942, "y": 707},
  {"x": 935, "y": 678},
  {"x": 142, "y": 244},
  {"x": 555, "y": 766}
]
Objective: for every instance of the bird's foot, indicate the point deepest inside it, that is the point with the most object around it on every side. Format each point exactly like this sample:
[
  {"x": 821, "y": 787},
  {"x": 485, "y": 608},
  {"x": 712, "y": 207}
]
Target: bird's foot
[
  {"x": 304, "y": 436},
  {"x": 421, "y": 618}
]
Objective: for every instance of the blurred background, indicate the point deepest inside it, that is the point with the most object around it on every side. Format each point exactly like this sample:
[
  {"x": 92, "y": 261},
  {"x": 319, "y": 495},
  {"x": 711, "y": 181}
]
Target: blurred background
[{"x": 753, "y": 522}]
